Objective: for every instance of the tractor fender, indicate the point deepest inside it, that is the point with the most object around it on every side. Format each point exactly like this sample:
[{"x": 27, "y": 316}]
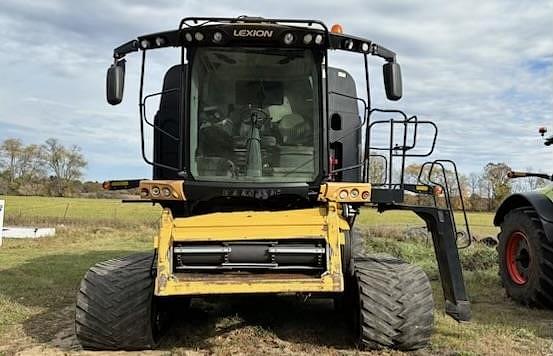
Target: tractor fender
[{"x": 537, "y": 200}]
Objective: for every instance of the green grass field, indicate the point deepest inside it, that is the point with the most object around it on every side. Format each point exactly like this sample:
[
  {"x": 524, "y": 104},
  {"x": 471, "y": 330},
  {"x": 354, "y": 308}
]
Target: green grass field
[
  {"x": 39, "y": 280},
  {"x": 59, "y": 210},
  {"x": 110, "y": 211}
]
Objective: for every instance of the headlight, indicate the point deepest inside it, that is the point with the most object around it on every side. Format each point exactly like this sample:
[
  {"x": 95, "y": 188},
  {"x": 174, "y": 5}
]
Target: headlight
[
  {"x": 160, "y": 41},
  {"x": 288, "y": 38},
  {"x": 144, "y": 192},
  {"x": 217, "y": 37},
  {"x": 307, "y": 38},
  {"x": 199, "y": 36},
  {"x": 343, "y": 194},
  {"x": 348, "y": 44},
  {"x": 354, "y": 193},
  {"x": 319, "y": 39},
  {"x": 155, "y": 191},
  {"x": 166, "y": 192},
  {"x": 188, "y": 36},
  {"x": 144, "y": 44}
]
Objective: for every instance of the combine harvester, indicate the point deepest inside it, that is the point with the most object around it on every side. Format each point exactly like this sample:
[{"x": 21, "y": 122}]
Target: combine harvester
[{"x": 261, "y": 168}]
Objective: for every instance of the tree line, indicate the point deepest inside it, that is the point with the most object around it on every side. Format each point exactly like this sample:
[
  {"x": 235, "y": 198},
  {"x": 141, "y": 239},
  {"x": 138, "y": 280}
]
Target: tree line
[
  {"x": 49, "y": 169},
  {"x": 481, "y": 191},
  {"x": 52, "y": 169}
]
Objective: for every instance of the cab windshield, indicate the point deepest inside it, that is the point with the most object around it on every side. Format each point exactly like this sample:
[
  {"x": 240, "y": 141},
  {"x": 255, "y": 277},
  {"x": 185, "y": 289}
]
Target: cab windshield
[{"x": 254, "y": 115}]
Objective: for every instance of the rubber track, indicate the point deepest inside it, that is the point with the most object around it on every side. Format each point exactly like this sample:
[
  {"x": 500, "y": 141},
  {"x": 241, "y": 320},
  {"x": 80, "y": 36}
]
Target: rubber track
[
  {"x": 396, "y": 304},
  {"x": 114, "y": 305}
]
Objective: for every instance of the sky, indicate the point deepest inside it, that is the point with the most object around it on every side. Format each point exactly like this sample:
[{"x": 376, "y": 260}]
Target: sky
[{"x": 482, "y": 70}]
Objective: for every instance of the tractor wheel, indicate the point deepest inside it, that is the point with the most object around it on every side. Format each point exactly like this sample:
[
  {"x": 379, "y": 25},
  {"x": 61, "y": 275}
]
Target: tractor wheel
[
  {"x": 526, "y": 258},
  {"x": 116, "y": 308},
  {"x": 394, "y": 306}
]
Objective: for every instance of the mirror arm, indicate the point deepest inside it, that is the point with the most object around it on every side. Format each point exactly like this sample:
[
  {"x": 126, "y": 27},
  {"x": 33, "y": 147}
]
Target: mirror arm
[
  {"x": 382, "y": 52},
  {"x": 121, "y": 51}
]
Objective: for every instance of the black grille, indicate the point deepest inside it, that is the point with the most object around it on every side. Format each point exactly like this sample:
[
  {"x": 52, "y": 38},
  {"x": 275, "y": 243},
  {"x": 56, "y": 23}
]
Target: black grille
[{"x": 282, "y": 255}]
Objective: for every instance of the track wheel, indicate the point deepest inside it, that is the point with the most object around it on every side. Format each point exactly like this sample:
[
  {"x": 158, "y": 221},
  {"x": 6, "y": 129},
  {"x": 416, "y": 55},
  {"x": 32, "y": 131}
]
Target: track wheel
[
  {"x": 393, "y": 307},
  {"x": 116, "y": 308},
  {"x": 526, "y": 258}
]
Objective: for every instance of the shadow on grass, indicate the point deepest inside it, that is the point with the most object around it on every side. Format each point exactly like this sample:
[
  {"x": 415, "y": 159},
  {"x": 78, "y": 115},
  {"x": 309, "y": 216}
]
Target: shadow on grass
[{"x": 48, "y": 286}]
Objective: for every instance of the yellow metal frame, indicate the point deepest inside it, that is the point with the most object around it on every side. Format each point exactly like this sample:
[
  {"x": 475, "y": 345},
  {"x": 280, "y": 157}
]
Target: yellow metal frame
[
  {"x": 324, "y": 222},
  {"x": 331, "y": 192}
]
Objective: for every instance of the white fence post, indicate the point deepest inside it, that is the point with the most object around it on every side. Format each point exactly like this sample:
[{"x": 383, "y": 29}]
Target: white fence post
[{"x": 1, "y": 220}]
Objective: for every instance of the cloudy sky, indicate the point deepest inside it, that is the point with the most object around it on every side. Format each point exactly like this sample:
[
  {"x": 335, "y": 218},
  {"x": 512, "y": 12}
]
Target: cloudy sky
[{"x": 483, "y": 70}]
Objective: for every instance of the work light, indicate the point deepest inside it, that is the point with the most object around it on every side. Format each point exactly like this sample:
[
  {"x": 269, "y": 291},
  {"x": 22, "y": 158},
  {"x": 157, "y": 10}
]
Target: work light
[
  {"x": 144, "y": 44},
  {"x": 288, "y": 38},
  {"x": 319, "y": 39},
  {"x": 217, "y": 37}
]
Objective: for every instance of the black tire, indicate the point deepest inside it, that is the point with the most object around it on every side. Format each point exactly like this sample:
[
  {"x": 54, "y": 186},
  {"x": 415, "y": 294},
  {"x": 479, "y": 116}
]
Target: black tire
[
  {"x": 116, "y": 308},
  {"x": 526, "y": 258},
  {"x": 394, "y": 307},
  {"x": 353, "y": 248}
]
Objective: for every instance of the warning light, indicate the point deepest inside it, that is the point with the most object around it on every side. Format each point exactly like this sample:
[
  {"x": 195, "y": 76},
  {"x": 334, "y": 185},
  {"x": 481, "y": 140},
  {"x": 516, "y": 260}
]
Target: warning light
[{"x": 336, "y": 28}]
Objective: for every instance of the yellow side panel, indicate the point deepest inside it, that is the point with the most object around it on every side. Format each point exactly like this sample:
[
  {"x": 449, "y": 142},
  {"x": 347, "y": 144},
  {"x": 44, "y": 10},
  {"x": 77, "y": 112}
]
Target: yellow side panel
[{"x": 251, "y": 225}]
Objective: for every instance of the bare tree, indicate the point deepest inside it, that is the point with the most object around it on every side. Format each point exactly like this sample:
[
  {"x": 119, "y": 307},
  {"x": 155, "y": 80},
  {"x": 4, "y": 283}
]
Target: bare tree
[
  {"x": 534, "y": 183},
  {"x": 498, "y": 182},
  {"x": 65, "y": 164},
  {"x": 10, "y": 153},
  {"x": 528, "y": 183},
  {"x": 478, "y": 191},
  {"x": 475, "y": 183},
  {"x": 31, "y": 164},
  {"x": 412, "y": 173},
  {"x": 377, "y": 170}
]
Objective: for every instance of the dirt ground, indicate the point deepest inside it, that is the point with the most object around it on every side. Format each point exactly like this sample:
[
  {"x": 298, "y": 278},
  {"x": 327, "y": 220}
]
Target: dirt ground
[{"x": 283, "y": 325}]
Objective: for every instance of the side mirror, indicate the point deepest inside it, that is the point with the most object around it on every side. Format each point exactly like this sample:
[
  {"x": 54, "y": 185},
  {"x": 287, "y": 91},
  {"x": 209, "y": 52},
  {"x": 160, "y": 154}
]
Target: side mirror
[
  {"x": 392, "y": 80},
  {"x": 115, "y": 82}
]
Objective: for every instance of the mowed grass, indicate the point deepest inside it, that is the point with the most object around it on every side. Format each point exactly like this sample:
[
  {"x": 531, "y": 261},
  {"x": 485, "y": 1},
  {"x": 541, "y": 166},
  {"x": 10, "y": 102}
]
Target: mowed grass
[
  {"x": 44, "y": 210},
  {"x": 480, "y": 223},
  {"x": 498, "y": 326},
  {"x": 39, "y": 280}
]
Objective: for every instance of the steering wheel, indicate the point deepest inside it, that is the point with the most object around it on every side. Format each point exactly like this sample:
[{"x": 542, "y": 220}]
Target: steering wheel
[{"x": 254, "y": 116}]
